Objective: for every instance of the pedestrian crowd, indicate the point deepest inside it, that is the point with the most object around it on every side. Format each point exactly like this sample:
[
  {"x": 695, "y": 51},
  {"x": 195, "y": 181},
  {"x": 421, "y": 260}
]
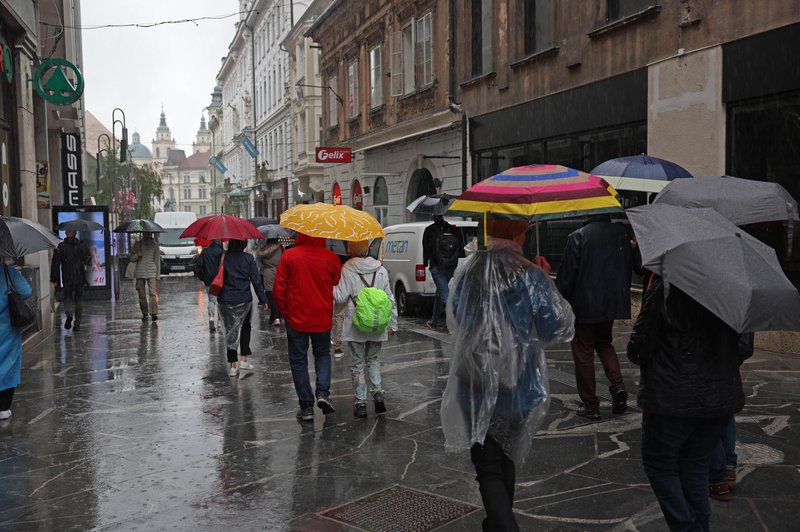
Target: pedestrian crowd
[{"x": 503, "y": 311}]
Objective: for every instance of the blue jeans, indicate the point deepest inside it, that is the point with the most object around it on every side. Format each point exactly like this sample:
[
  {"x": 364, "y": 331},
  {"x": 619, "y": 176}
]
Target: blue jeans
[
  {"x": 724, "y": 456},
  {"x": 298, "y": 360},
  {"x": 440, "y": 279},
  {"x": 364, "y": 356},
  {"x": 676, "y": 452}
]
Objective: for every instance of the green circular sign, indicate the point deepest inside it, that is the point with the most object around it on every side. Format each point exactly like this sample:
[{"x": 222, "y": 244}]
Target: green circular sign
[
  {"x": 8, "y": 63},
  {"x": 57, "y": 88}
]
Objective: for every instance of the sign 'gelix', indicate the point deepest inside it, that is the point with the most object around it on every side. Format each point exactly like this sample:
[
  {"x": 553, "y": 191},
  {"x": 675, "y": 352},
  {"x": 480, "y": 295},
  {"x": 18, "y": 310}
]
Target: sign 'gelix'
[{"x": 334, "y": 155}]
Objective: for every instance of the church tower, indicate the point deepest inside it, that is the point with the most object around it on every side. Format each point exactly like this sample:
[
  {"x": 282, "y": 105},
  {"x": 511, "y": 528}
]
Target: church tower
[
  {"x": 163, "y": 142},
  {"x": 203, "y": 140}
]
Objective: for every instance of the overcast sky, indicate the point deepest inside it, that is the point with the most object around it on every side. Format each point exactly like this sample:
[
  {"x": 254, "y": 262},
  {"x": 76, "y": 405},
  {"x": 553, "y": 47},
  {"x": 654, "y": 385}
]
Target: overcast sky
[{"x": 141, "y": 69}]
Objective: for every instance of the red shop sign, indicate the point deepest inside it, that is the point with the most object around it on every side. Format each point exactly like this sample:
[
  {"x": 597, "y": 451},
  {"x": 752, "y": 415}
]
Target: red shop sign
[
  {"x": 334, "y": 155},
  {"x": 358, "y": 197},
  {"x": 337, "y": 194}
]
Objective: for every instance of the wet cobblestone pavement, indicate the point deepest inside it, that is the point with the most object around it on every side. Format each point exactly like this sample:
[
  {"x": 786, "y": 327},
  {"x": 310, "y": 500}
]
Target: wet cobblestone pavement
[{"x": 137, "y": 426}]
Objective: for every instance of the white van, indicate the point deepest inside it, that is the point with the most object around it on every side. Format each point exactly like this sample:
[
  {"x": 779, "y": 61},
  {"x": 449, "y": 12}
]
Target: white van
[
  {"x": 176, "y": 252},
  {"x": 411, "y": 282}
]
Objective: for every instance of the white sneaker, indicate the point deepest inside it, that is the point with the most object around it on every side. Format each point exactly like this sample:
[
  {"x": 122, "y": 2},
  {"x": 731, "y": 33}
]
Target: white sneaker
[
  {"x": 338, "y": 353},
  {"x": 233, "y": 372},
  {"x": 276, "y": 323},
  {"x": 246, "y": 366},
  {"x": 5, "y": 414}
]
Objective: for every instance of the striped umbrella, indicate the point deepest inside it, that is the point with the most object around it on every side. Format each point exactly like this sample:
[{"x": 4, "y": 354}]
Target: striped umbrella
[{"x": 536, "y": 193}]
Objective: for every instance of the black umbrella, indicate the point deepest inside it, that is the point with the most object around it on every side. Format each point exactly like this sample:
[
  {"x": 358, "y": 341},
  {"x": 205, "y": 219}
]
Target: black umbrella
[
  {"x": 258, "y": 221},
  {"x": 730, "y": 273},
  {"x": 80, "y": 225},
  {"x": 641, "y": 167},
  {"x": 139, "y": 226},
  {"x": 432, "y": 204},
  {"x": 20, "y": 237}
]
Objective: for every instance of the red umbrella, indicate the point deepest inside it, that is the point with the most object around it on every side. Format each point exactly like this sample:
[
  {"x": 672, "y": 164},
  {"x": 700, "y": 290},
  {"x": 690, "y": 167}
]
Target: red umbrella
[{"x": 221, "y": 226}]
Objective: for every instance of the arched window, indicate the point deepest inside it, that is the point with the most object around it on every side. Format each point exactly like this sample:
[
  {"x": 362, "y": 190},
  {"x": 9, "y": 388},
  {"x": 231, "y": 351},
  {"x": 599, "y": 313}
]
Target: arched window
[{"x": 380, "y": 200}]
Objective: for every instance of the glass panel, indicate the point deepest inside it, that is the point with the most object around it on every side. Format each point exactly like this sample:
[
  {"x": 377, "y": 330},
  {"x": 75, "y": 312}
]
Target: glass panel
[{"x": 380, "y": 192}]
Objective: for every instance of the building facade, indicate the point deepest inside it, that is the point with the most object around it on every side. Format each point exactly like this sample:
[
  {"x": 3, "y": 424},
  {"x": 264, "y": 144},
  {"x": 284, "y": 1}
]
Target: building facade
[
  {"x": 386, "y": 65},
  {"x": 32, "y": 128},
  {"x": 305, "y": 102}
]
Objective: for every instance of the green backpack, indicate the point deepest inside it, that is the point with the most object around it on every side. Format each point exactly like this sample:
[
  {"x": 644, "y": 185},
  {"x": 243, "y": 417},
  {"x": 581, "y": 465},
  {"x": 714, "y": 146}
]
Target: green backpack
[{"x": 373, "y": 308}]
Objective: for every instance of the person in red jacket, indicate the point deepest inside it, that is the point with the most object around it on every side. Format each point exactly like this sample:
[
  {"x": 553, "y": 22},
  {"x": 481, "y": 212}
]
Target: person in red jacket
[{"x": 303, "y": 291}]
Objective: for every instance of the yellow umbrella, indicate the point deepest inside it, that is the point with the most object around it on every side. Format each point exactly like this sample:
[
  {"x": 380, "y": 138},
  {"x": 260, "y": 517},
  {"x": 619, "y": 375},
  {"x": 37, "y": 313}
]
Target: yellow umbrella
[{"x": 332, "y": 221}]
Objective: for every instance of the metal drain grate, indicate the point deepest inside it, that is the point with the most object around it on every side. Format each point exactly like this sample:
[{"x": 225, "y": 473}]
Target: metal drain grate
[{"x": 400, "y": 509}]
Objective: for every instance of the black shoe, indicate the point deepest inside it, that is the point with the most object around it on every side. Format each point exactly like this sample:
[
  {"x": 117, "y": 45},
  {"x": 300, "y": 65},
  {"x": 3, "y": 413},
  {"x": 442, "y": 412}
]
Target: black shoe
[
  {"x": 325, "y": 405},
  {"x": 144, "y": 317},
  {"x": 588, "y": 413},
  {"x": 380, "y": 406},
  {"x": 68, "y": 323},
  {"x": 360, "y": 410},
  {"x": 154, "y": 317},
  {"x": 619, "y": 402},
  {"x": 306, "y": 413},
  {"x": 77, "y": 327},
  {"x": 432, "y": 326}
]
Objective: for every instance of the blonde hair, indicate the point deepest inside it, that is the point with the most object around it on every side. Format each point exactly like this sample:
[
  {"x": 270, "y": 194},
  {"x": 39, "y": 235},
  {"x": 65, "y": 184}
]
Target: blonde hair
[{"x": 359, "y": 248}]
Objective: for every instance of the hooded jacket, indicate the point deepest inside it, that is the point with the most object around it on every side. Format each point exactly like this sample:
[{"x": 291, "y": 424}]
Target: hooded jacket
[
  {"x": 348, "y": 288},
  {"x": 304, "y": 281},
  {"x": 270, "y": 257},
  {"x": 689, "y": 359},
  {"x": 69, "y": 263},
  {"x": 148, "y": 266},
  {"x": 239, "y": 272}
]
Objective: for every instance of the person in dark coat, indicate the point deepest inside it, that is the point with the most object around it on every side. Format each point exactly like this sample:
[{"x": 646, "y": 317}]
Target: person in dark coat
[
  {"x": 441, "y": 247},
  {"x": 235, "y": 303},
  {"x": 689, "y": 388},
  {"x": 209, "y": 266},
  {"x": 595, "y": 277},
  {"x": 68, "y": 270}
]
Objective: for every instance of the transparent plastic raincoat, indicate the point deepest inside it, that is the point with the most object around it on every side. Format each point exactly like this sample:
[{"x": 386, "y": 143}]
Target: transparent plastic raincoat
[{"x": 502, "y": 311}]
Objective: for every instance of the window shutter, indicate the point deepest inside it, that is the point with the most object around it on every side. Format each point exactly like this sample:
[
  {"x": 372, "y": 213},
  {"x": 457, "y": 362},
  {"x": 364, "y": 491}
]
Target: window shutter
[{"x": 396, "y": 45}]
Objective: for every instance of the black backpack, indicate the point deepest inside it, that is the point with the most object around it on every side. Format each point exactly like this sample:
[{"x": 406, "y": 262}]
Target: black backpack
[{"x": 447, "y": 248}]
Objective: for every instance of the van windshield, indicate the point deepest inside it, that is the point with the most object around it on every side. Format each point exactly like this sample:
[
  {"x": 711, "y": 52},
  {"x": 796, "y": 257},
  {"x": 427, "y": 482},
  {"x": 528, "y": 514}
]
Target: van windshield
[{"x": 172, "y": 238}]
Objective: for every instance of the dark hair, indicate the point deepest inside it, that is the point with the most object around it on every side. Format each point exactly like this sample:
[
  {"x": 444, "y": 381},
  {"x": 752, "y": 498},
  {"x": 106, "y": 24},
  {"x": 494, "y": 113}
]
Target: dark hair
[{"x": 235, "y": 245}]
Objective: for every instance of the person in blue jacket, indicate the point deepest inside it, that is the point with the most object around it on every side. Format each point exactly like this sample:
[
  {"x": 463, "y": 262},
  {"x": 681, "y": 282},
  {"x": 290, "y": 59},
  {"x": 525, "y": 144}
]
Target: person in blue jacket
[
  {"x": 503, "y": 311},
  {"x": 235, "y": 303},
  {"x": 10, "y": 339}
]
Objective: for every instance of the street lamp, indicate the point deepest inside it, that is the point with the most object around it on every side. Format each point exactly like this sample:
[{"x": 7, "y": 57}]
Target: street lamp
[
  {"x": 123, "y": 143},
  {"x": 99, "y": 170}
]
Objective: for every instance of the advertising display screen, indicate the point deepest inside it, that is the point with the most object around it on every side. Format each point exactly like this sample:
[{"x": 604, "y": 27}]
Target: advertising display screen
[{"x": 98, "y": 273}]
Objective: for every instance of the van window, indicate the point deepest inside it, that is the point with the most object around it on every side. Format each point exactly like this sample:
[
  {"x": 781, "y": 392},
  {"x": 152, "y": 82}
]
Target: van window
[
  {"x": 172, "y": 238},
  {"x": 468, "y": 233}
]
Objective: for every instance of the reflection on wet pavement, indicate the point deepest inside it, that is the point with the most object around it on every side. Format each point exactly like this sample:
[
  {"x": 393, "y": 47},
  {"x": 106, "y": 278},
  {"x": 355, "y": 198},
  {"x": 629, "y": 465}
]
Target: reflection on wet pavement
[{"x": 129, "y": 425}]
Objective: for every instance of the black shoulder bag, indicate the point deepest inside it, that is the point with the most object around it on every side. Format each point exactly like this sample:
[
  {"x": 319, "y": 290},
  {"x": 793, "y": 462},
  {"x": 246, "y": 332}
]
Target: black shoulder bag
[{"x": 20, "y": 313}]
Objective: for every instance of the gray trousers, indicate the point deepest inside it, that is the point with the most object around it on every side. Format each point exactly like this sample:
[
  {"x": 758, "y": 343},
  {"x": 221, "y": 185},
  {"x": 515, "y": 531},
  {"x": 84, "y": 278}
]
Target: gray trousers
[{"x": 143, "y": 286}]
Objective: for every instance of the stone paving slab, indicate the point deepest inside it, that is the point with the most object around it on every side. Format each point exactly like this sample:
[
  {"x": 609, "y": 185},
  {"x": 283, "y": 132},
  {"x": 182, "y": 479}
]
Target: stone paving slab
[{"x": 132, "y": 426}]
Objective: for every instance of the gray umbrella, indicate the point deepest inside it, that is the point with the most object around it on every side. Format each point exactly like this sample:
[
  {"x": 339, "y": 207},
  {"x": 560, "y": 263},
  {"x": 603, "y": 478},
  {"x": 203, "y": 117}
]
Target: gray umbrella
[
  {"x": 272, "y": 231},
  {"x": 20, "y": 237},
  {"x": 717, "y": 264},
  {"x": 742, "y": 201},
  {"x": 139, "y": 225},
  {"x": 431, "y": 204},
  {"x": 79, "y": 225}
]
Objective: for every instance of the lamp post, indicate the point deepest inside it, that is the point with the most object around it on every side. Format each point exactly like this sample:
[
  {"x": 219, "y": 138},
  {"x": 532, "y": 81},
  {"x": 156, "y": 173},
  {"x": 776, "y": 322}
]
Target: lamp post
[{"x": 99, "y": 170}]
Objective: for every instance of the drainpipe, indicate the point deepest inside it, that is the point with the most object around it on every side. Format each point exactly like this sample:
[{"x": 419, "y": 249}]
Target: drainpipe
[
  {"x": 253, "y": 97},
  {"x": 451, "y": 97}
]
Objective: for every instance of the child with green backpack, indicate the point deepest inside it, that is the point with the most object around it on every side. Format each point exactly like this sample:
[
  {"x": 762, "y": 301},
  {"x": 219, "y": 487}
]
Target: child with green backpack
[{"x": 370, "y": 318}]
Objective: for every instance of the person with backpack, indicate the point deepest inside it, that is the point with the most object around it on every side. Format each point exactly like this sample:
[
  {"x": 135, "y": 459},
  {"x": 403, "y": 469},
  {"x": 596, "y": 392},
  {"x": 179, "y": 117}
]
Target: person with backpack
[
  {"x": 207, "y": 269},
  {"x": 370, "y": 317},
  {"x": 68, "y": 269},
  {"x": 269, "y": 255},
  {"x": 441, "y": 248}
]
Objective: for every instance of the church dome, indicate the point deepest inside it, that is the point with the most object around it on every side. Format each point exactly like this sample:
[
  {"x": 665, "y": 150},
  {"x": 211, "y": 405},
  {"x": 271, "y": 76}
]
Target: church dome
[{"x": 139, "y": 150}]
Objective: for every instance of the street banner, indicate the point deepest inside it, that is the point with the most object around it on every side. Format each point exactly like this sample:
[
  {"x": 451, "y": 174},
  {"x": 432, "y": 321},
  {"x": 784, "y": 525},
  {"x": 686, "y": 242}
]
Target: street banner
[
  {"x": 218, "y": 165},
  {"x": 334, "y": 155},
  {"x": 251, "y": 149},
  {"x": 71, "y": 169}
]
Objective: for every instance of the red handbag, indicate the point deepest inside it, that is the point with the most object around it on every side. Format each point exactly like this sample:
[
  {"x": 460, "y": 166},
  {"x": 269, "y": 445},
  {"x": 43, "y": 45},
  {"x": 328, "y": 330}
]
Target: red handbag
[{"x": 215, "y": 288}]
